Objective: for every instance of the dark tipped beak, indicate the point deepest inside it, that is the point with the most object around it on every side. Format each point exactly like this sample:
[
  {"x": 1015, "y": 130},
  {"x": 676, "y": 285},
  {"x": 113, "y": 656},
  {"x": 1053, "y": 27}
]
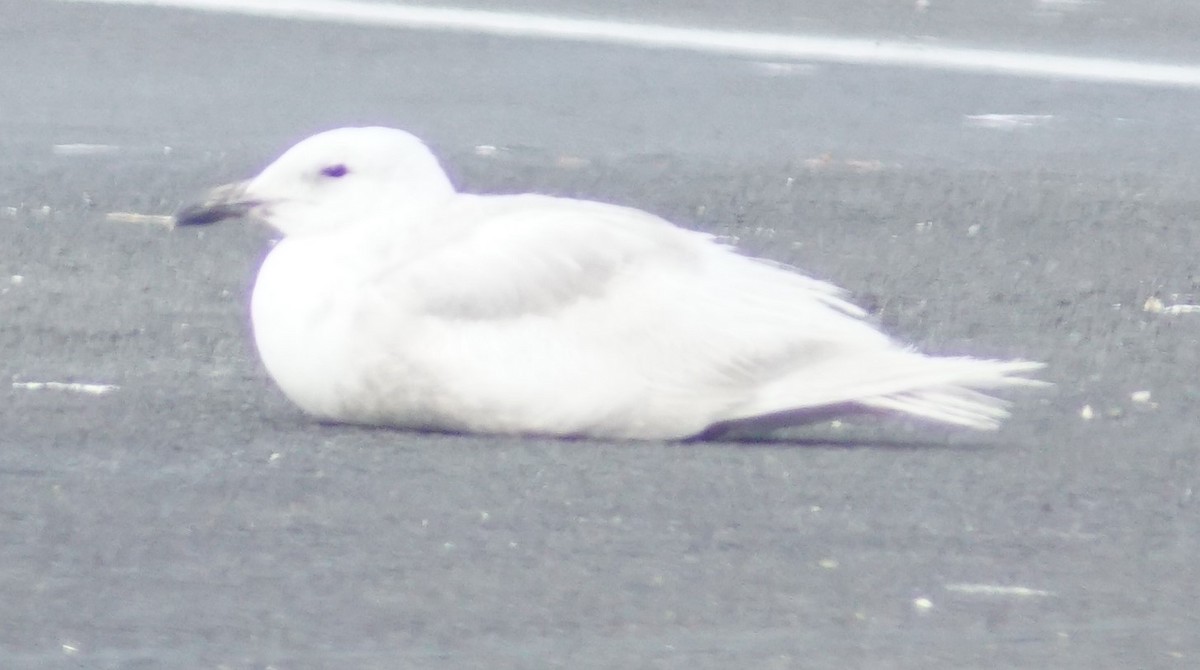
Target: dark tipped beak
[{"x": 224, "y": 202}]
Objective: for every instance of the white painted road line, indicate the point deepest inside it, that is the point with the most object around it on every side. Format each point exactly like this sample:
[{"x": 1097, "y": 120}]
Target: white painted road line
[
  {"x": 998, "y": 590},
  {"x": 759, "y": 45},
  {"x": 71, "y": 387}
]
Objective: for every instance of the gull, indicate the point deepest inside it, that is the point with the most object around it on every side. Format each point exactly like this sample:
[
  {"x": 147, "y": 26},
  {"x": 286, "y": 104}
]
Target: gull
[{"x": 393, "y": 299}]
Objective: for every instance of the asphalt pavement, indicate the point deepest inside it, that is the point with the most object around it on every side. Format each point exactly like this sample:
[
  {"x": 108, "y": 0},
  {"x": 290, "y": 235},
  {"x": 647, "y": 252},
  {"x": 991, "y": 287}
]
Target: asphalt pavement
[{"x": 191, "y": 517}]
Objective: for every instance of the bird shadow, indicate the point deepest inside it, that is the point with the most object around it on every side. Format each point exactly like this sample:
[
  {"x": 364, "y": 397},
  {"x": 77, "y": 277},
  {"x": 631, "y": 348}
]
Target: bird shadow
[
  {"x": 817, "y": 435},
  {"x": 851, "y": 441},
  {"x": 812, "y": 428}
]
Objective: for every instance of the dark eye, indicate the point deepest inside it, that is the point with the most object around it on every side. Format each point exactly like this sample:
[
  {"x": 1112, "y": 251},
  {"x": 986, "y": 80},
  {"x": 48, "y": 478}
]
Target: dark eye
[{"x": 335, "y": 171}]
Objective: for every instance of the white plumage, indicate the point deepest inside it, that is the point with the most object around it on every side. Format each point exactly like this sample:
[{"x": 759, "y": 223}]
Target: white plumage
[{"x": 394, "y": 300}]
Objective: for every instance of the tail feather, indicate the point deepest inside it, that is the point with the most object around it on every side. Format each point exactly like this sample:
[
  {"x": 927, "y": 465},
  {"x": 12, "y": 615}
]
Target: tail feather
[
  {"x": 949, "y": 390},
  {"x": 961, "y": 407}
]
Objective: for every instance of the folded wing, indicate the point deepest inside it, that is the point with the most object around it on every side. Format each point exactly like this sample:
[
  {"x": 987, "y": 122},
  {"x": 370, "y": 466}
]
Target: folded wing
[{"x": 542, "y": 314}]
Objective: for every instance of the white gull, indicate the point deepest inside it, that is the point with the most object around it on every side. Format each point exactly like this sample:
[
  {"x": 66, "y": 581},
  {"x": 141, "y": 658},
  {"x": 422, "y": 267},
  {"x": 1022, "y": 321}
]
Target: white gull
[{"x": 395, "y": 300}]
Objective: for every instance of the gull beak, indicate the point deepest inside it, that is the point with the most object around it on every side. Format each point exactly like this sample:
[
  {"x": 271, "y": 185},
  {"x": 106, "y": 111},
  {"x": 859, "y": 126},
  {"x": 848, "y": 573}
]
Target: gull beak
[{"x": 223, "y": 202}]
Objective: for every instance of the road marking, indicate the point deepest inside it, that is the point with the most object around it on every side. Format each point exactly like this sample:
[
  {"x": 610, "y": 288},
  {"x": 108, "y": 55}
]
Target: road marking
[
  {"x": 1006, "y": 121},
  {"x": 998, "y": 590},
  {"x": 759, "y": 45},
  {"x": 1154, "y": 305},
  {"x": 72, "y": 387},
  {"x": 84, "y": 149},
  {"x": 133, "y": 217}
]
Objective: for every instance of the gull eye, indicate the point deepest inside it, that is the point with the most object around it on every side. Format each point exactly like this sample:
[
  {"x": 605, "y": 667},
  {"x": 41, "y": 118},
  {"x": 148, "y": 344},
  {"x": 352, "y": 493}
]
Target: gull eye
[{"x": 335, "y": 171}]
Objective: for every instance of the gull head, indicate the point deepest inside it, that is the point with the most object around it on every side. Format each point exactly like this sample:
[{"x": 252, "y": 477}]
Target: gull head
[{"x": 333, "y": 180}]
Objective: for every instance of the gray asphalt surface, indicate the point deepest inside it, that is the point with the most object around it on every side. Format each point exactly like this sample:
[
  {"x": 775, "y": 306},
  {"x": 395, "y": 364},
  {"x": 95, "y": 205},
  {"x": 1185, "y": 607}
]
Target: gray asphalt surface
[{"x": 194, "y": 519}]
